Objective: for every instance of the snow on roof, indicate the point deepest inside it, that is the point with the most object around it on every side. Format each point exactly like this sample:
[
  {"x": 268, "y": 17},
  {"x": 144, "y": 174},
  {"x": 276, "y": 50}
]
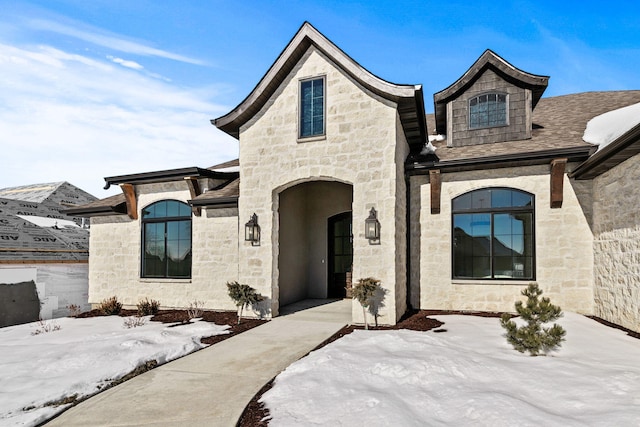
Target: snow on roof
[
  {"x": 41, "y": 221},
  {"x": 606, "y": 128}
]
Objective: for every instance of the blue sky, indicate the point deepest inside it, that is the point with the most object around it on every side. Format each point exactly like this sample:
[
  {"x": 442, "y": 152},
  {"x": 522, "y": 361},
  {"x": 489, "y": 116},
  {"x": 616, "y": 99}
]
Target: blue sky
[{"x": 98, "y": 88}]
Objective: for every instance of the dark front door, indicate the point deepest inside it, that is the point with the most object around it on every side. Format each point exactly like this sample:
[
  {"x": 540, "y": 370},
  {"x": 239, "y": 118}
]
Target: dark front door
[{"x": 340, "y": 254}]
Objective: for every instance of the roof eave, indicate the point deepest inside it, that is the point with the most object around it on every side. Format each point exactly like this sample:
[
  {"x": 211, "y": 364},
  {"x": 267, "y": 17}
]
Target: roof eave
[
  {"x": 624, "y": 147},
  {"x": 167, "y": 176}
]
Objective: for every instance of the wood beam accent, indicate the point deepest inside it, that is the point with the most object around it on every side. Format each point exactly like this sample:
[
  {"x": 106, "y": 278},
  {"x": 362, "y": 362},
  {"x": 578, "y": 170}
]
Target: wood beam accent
[
  {"x": 194, "y": 189},
  {"x": 436, "y": 184},
  {"x": 130, "y": 197},
  {"x": 558, "y": 167}
]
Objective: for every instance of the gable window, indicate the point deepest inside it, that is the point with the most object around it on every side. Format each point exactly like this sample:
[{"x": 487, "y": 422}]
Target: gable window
[
  {"x": 312, "y": 120},
  {"x": 166, "y": 240},
  {"x": 488, "y": 110},
  {"x": 493, "y": 235}
]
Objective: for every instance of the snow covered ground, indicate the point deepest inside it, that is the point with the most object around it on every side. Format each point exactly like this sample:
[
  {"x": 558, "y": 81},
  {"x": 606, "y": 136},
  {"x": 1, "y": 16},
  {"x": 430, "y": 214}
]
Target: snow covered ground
[
  {"x": 80, "y": 358},
  {"x": 465, "y": 376}
]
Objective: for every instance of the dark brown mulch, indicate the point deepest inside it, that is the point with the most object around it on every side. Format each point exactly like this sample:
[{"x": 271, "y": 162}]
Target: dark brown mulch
[
  {"x": 255, "y": 413},
  {"x": 181, "y": 317}
]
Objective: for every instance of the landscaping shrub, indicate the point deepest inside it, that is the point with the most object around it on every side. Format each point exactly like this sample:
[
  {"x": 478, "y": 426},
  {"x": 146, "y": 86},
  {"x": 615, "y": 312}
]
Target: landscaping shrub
[
  {"x": 133, "y": 322},
  {"x": 111, "y": 306},
  {"x": 45, "y": 327},
  {"x": 148, "y": 307},
  {"x": 365, "y": 292},
  {"x": 74, "y": 310},
  {"x": 195, "y": 309},
  {"x": 243, "y": 295},
  {"x": 533, "y": 337}
]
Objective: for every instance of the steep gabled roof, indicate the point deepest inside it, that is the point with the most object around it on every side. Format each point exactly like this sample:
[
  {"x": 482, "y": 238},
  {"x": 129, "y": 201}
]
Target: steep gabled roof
[
  {"x": 488, "y": 60},
  {"x": 408, "y": 97}
]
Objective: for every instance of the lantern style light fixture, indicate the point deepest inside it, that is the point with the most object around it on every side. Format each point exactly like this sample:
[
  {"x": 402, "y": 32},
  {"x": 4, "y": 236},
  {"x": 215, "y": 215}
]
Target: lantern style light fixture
[
  {"x": 372, "y": 227},
  {"x": 252, "y": 231}
]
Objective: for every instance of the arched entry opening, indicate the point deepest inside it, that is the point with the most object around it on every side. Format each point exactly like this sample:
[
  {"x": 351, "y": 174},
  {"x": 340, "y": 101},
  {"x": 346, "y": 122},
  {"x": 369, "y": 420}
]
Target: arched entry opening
[{"x": 314, "y": 224}]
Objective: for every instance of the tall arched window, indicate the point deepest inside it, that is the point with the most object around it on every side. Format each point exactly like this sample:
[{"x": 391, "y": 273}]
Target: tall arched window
[
  {"x": 166, "y": 240},
  {"x": 488, "y": 110},
  {"x": 493, "y": 235}
]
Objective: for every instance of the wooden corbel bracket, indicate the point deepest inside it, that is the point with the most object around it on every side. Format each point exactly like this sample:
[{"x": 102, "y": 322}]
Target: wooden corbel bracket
[{"x": 558, "y": 167}]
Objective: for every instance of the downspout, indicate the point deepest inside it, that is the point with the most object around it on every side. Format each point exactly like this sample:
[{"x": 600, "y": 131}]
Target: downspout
[{"x": 407, "y": 180}]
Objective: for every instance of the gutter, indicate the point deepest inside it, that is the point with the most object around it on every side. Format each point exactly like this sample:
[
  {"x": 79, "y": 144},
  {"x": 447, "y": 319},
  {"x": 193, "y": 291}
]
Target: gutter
[
  {"x": 167, "y": 176},
  {"x": 504, "y": 160}
]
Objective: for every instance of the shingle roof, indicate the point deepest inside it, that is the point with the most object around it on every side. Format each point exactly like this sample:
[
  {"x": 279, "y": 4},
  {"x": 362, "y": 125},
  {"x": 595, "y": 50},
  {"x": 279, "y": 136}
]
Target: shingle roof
[
  {"x": 225, "y": 194},
  {"x": 558, "y": 123},
  {"x": 108, "y": 206}
]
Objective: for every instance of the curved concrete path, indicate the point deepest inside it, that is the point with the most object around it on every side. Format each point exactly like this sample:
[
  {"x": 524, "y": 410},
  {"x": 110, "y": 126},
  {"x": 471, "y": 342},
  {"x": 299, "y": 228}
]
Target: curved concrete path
[{"x": 211, "y": 387}]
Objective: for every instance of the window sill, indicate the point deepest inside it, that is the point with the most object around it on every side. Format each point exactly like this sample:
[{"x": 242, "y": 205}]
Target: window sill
[
  {"x": 312, "y": 138},
  {"x": 162, "y": 280},
  {"x": 491, "y": 282}
]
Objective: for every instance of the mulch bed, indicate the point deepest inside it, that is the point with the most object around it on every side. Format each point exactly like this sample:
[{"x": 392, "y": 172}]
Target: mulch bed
[{"x": 181, "y": 317}]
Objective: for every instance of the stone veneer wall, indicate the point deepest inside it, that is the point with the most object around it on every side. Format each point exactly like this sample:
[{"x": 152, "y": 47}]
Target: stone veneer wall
[
  {"x": 564, "y": 258},
  {"x": 616, "y": 246},
  {"x": 359, "y": 148},
  {"x": 115, "y": 251}
]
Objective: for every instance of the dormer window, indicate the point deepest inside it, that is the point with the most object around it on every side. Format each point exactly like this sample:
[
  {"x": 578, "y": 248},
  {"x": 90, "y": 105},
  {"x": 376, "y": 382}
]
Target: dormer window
[
  {"x": 488, "y": 110},
  {"x": 312, "y": 107}
]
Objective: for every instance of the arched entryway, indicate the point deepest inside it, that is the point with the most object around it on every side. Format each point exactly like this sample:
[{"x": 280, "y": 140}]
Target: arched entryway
[{"x": 307, "y": 237}]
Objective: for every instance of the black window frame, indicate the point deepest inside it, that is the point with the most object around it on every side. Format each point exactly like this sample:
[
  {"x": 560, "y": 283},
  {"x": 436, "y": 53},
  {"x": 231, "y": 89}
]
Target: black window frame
[
  {"x": 165, "y": 220},
  {"x": 492, "y": 211},
  {"x": 487, "y": 123},
  {"x": 301, "y": 107}
]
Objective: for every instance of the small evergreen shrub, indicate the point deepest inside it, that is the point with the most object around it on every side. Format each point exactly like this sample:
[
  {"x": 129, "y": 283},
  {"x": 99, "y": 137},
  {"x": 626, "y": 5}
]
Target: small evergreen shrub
[
  {"x": 533, "y": 337},
  {"x": 148, "y": 307},
  {"x": 110, "y": 306},
  {"x": 364, "y": 291},
  {"x": 243, "y": 296}
]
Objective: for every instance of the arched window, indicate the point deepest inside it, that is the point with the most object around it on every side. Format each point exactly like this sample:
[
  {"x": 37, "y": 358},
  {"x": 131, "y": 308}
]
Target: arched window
[
  {"x": 166, "y": 240},
  {"x": 493, "y": 235},
  {"x": 488, "y": 110}
]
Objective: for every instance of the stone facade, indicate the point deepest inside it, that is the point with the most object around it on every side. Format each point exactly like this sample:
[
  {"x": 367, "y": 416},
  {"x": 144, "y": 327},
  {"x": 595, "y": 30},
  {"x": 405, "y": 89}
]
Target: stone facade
[
  {"x": 616, "y": 245},
  {"x": 115, "y": 256},
  {"x": 363, "y": 147},
  {"x": 519, "y": 112},
  {"x": 564, "y": 259}
]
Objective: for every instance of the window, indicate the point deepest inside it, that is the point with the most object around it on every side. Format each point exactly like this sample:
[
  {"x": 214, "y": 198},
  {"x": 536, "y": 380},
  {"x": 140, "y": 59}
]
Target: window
[
  {"x": 166, "y": 237},
  {"x": 493, "y": 235},
  {"x": 488, "y": 110},
  {"x": 312, "y": 107}
]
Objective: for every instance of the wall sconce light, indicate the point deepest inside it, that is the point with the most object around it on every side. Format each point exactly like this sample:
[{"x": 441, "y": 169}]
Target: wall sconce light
[
  {"x": 252, "y": 231},
  {"x": 372, "y": 226}
]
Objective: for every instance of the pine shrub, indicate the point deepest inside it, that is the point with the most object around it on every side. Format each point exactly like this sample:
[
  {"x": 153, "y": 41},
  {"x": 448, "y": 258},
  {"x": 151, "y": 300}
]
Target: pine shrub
[
  {"x": 110, "y": 306},
  {"x": 147, "y": 307},
  {"x": 533, "y": 337},
  {"x": 243, "y": 296},
  {"x": 364, "y": 291}
]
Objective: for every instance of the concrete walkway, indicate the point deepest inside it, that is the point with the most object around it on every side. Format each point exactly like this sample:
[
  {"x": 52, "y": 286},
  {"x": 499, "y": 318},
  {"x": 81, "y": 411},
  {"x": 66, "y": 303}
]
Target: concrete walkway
[{"x": 212, "y": 386}]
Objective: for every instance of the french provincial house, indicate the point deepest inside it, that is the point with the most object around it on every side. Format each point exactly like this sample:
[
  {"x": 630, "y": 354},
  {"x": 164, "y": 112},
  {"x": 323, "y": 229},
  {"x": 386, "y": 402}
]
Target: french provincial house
[{"x": 341, "y": 175}]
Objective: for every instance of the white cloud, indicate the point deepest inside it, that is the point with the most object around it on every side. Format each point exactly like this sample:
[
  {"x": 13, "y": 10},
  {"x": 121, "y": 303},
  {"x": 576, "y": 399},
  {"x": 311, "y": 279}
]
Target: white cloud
[
  {"x": 129, "y": 64},
  {"x": 98, "y": 37},
  {"x": 67, "y": 117}
]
